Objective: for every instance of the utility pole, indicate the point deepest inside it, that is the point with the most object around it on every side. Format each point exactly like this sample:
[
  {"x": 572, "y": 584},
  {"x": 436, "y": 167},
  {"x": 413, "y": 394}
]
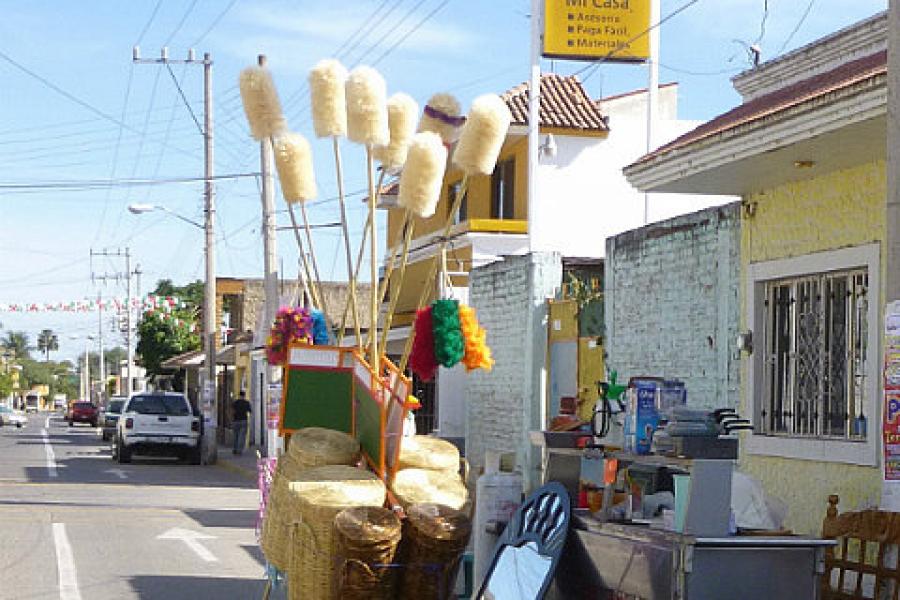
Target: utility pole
[
  {"x": 116, "y": 276},
  {"x": 266, "y": 158},
  {"x": 208, "y": 396}
]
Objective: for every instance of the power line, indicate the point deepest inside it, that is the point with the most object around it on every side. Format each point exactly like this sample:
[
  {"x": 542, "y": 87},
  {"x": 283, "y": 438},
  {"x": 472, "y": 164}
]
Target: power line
[
  {"x": 411, "y": 31},
  {"x": 214, "y": 23},
  {"x": 798, "y": 26},
  {"x": 101, "y": 183},
  {"x": 178, "y": 27},
  {"x": 149, "y": 21},
  {"x": 184, "y": 99}
]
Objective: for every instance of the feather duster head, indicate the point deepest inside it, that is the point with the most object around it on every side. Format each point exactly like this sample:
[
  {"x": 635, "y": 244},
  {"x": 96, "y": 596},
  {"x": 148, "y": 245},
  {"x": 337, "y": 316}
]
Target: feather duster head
[
  {"x": 329, "y": 107},
  {"x": 421, "y": 359},
  {"x": 442, "y": 116},
  {"x": 423, "y": 174},
  {"x": 261, "y": 104},
  {"x": 293, "y": 160},
  {"x": 482, "y": 136},
  {"x": 367, "y": 118},
  {"x": 402, "y": 112}
]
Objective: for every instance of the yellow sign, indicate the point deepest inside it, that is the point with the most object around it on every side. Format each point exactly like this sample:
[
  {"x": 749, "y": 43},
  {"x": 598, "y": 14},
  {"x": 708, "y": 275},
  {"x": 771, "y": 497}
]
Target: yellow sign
[{"x": 615, "y": 30}]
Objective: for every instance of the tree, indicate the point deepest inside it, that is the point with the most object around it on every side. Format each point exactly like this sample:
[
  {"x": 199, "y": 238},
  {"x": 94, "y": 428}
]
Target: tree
[
  {"x": 164, "y": 334},
  {"x": 18, "y": 342},
  {"x": 47, "y": 342}
]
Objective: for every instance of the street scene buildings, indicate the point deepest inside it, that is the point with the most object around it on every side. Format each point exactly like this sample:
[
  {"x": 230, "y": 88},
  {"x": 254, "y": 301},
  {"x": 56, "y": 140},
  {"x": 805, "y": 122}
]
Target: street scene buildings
[{"x": 346, "y": 324}]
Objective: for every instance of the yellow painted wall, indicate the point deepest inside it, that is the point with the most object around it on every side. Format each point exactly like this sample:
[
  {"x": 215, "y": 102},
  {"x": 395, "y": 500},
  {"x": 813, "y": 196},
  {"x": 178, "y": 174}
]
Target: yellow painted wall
[
  {"x": 417, "y": 274},
  {"x": 831, "y": 211}
]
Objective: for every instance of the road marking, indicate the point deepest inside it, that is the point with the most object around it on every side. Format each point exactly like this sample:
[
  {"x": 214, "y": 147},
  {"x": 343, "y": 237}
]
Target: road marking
[
  {"x": 47, "y": 422},
  {"x": 65, "y": 564},
  {"x": 117, "y": 472},
  {"x": 190, "y": 538},
  {"x": 51, "y": 456}
]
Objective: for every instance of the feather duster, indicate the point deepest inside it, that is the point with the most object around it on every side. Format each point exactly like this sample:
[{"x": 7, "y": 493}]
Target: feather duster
[
  {"x": 261, "y": 104},
  {"x": 402, "y": 112},
  {"x": 477, "y": 355},
  {"x": 329, "y": 106},
  {"x": 442, "y": 117},
  {"x": 423, "y": 175},
  {"x": 367, "y": 119},
  {"x": 421, "y": 358},
  {"x": 449, "y": 346},
  {"x": 482, "y": 136},
  {"x": 293, "y": 160},
  {"x": 319, "y": 328}
]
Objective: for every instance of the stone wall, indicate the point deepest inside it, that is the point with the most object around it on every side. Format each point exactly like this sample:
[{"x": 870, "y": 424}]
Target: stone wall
[
  {"x": 505, "y": 404},
  {"x": 672, "y": 303}
]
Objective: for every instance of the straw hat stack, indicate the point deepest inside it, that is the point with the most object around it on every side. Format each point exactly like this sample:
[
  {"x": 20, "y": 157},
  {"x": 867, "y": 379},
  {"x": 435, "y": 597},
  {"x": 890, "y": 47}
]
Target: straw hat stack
[
  {"x": 429, "y": 473},
  {"x": 309, "y": 447},
  {"x": 314, "y": 500},
  {"x": 366, "y": 540},
  {"x": 434, "y": 538}
]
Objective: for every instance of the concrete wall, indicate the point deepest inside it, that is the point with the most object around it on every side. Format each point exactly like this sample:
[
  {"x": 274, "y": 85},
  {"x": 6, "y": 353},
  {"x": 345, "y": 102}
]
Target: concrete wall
[
  {"x": 672, "y": 308},
  {"x": 836, "y": 210},
  {"x": 503, "y": 405}
]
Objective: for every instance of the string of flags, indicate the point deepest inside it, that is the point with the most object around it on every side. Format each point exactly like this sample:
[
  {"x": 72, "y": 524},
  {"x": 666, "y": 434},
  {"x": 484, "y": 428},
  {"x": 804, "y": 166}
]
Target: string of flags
[{"x": 149, "y": 303}]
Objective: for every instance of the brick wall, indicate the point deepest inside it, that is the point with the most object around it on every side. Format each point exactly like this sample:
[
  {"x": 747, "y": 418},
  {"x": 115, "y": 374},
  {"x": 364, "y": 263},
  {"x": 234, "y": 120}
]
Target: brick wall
[
  {"x": 503, "y": 405},
  {"x": 672, "y": 303}
]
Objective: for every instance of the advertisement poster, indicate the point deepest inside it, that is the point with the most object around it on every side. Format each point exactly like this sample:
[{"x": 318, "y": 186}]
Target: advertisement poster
[
  {"x": 273, "y": 406},
  {"x": 890, "y": 492}
]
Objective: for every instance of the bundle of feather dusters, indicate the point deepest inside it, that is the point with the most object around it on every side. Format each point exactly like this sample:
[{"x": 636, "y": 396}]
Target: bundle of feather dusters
[
  {"x": 445, "y": 334},
  {"x": 354, "y": 104}
]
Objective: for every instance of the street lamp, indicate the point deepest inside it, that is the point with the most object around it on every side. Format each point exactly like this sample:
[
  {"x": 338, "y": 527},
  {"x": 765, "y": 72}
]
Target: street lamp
[{"x": 208, "y": 400}]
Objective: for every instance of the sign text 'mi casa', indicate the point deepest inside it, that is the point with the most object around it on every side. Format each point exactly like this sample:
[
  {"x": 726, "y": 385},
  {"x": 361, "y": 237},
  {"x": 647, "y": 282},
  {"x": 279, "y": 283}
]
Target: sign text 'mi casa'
[{"x": 588, "y": 29}]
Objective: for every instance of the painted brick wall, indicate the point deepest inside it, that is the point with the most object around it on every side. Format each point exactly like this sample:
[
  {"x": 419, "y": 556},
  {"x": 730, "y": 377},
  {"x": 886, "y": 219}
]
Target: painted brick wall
[
  {"x": 834, "y": 210},
  {"x": 672, "y": 305},
  {"x": 503, "y": 405}
]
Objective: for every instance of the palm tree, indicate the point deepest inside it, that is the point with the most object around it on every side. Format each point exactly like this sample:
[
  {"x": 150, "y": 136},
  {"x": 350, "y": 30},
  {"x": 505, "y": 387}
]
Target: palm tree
[
  {"x": 47, "y": 342},
  {"x": 18, "y": 342}
]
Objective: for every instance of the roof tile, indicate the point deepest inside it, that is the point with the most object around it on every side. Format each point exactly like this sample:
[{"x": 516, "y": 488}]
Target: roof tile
[{"x": 564, "y": 104}]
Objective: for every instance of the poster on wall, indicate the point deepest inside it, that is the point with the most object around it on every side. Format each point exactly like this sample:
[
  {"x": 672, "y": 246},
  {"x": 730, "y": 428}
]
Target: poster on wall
[
  {"x": 273, "y": 406},
  {"x": 890, "y": 491}
]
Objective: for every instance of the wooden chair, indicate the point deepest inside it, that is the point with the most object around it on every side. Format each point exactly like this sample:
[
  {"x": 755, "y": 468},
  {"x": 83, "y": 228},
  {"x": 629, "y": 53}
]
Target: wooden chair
[{"x": 864, "y": 563}]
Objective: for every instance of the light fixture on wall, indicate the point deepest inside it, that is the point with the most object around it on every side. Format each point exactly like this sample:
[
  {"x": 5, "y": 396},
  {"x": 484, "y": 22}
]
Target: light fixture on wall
[
  {"x": 548, "y": 146},
  {"x": 745, "y": 342}
]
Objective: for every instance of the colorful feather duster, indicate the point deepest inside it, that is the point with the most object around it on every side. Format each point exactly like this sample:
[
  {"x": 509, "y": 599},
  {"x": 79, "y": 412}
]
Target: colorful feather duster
[
  {"x": 421, "y": 358},
  {"x": 478, "y": 355},
  {"x": 449, "y": 345}
]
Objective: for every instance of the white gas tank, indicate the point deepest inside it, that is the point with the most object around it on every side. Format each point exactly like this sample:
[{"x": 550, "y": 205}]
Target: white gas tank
[{"x": 497, "y": 497}]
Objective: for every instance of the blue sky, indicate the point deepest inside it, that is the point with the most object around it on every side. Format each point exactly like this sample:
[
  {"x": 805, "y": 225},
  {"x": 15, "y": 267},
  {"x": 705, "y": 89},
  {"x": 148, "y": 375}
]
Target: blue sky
[{"x": 467, "y": 47}]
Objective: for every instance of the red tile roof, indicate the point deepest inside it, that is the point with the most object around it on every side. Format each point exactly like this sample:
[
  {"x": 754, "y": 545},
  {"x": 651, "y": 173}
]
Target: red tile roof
[
  {"x": 564, "y": 103},
  {"x": 843, "y": 76}
]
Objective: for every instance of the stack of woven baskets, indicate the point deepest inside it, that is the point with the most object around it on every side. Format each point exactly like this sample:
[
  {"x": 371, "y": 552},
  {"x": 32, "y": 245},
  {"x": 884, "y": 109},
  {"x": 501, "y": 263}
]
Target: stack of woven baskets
[
  {"x": 429, "y": 473},
  {"x": 310, "y": 447}
]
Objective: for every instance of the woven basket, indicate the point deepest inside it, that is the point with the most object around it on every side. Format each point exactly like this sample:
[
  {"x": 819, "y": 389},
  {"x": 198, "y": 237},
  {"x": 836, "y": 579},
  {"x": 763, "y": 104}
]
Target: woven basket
[
  {"x": 366, "y": 540},
  {"x": 426, "y": 452},
  {"x": 434, "y": 538},
  {"x": 309, "y": 447},
  {"x": 314, "y": 501},
  {"x": 416, "y": 486}
]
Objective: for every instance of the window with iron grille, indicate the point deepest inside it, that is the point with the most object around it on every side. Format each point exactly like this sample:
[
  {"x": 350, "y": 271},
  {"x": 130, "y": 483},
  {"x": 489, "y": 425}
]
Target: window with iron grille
[{"x": 816, "y": 332}]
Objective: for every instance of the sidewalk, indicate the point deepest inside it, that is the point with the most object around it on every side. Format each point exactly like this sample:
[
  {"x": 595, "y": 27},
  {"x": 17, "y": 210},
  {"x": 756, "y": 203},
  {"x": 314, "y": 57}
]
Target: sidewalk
[{"x": 243, "y": 464}]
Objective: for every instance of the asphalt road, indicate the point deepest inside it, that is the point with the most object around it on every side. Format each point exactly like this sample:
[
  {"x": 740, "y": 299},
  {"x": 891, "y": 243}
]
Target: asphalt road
[{"x": 75, "y": 525}]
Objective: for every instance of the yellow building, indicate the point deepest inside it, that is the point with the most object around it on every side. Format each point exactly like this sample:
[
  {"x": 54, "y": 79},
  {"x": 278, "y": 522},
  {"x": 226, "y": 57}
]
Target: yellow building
[{"x": 806, "y": 153}]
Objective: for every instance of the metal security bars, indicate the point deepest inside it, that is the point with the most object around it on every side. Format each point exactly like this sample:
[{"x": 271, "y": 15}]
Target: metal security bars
[{"x": 816, "y": 351}]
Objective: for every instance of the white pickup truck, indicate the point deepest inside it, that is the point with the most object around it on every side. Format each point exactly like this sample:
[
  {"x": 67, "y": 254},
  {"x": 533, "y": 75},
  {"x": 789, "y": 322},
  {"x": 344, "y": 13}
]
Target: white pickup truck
[{"x": 157, "y": 423}]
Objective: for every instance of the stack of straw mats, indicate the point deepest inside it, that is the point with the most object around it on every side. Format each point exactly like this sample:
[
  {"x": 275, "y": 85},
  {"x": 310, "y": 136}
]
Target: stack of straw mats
[
  {"x": 310, "y": 447},
  {"x": 427, "y": 452},
  {"x": 366, "y": 538},
  {"x": 315, "y": 499},
  {"x": 414, "y": 486}
]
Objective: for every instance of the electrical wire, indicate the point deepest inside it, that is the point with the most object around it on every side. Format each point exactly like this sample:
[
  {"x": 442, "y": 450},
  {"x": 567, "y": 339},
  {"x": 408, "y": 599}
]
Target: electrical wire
[
  {"x": 101, "y": 183},
  {"x": 797, "y": 26},
  {"x": 214, "y": 23},
  {"x": 411, "y": 31},
  {"x": 178, "y": 27}
]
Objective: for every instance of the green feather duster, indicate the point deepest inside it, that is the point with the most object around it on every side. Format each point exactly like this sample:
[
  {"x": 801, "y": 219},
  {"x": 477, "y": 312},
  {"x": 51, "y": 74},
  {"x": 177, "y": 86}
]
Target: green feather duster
[{"x": 449, "y": 344}]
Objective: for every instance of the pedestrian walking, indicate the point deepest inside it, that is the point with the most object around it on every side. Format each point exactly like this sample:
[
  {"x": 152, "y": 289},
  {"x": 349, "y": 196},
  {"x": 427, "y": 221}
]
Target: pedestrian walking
[{"x": 240, "y": 412}]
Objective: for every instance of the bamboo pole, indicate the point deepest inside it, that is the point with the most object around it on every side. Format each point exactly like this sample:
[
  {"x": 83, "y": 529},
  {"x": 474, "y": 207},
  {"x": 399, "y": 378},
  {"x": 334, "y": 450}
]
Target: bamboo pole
[
  {"x": 373, "y": 269},
  {"x": 428, "y": 284},
  {"x": 391, "y": 261},
  {"x": 310, "y": 282},
  {"x": 359, "y": 259},
  {"x": 323, "y": 305},
  {"x": 395, "y": 294},
  {"x": 344, "y": 226}
]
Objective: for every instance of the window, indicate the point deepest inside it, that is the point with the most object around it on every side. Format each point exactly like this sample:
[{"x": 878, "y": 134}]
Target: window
[
  {"x": 813, "y": 377},
  {"x": 503, "y": 190},
  {"x": 174, "y": 405},
  {"x": 452, "y": 191},
  {"x": 816, "y": 342}
]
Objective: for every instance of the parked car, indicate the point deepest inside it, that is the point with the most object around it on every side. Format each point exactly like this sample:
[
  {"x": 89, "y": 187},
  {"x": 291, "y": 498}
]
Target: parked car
[
  {"x": 9, "y": 416},
  {"x": 160, "y": 423},
  {"x": 110, "y": 416},
  {"x": 83, "y": 412},
  {"x": 32, "y": 403}
]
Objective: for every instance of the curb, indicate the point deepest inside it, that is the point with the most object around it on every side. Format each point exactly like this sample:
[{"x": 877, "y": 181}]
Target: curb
[{"x": 237, "y": 469}]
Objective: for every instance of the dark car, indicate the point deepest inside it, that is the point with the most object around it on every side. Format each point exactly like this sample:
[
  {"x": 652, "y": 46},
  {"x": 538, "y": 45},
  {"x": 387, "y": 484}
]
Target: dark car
[
  {"x": 111, "y": 416},
  {"x": 83, "y": 412}
]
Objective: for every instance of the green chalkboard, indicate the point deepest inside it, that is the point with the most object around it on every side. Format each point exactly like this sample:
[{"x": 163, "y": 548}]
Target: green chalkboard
[
  {"x": 368, "y": 425},
  {"x": 318, "y": 398}
]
